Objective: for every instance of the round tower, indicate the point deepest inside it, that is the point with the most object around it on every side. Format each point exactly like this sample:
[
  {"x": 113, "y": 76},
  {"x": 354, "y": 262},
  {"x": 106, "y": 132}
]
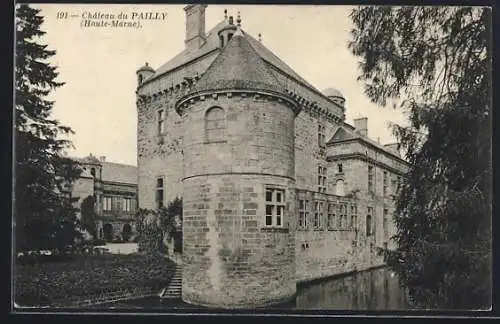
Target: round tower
[
  {"x": 335, "y": 95},
  {"x": 239, "y": 186},
  {"x": 143, "y": 73}
]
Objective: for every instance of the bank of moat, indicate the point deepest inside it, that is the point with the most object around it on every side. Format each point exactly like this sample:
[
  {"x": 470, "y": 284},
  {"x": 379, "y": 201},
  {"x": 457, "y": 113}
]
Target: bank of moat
[{"x": 277, "y": 187}]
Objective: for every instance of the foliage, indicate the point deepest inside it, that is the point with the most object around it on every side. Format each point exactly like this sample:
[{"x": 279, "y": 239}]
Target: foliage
[
  {"x": 87, "y": 209},
  {"x": 152, "y": 226},
  {"x": 171, "y": 222},
  {"x": 87, "y": 275},
  {"x": 149, "y": 232},
  {"x": 44, "y": 217},
  {"x": 435, "y": 61}
]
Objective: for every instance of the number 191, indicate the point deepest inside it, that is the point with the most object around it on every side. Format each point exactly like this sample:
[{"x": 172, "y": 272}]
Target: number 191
[{"x": 62, "y": 15}]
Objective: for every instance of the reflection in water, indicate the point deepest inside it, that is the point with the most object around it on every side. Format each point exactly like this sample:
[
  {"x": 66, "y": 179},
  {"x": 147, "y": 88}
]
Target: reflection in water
[{"x": 376, "y": 289}]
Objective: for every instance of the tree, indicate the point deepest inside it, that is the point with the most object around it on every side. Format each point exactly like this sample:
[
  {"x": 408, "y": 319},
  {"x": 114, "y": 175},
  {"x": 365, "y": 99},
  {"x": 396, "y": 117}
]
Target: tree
[
  {"x": 171, "y": 222},
  {"x": 436, "y": 62},
  {"x": 88, "y": 215},
  {"x": 43, "y": 213},
  {"x": 149, "y": 232}
]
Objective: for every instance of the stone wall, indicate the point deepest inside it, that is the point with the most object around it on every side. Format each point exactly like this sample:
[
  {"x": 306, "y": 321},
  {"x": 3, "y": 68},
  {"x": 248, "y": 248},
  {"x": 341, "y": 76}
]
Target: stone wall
[
  {"x": 159, "y": 155},
  {"x": 231, "y": 257},
  {"x": 308, "y": 155}
]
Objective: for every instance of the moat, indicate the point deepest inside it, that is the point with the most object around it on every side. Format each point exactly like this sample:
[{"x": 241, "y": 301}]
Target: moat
[{"x": 376, "y": 289}]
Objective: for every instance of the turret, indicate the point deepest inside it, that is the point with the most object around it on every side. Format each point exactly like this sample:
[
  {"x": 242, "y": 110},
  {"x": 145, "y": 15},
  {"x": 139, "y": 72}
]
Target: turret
[
  {"x": 143, "y": 73},
  {"x": 335, "y": 95},
  {"x": 239, "y": 185}
]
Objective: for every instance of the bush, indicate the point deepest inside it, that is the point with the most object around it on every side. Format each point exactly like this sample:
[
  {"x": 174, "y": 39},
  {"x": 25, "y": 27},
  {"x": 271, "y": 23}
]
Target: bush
[
  {"x": 83, "y": 276},
  {"x": 99, "y": 242}
]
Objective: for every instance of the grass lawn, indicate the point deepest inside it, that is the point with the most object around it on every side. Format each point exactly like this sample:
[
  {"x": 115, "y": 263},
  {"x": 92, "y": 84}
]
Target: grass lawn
[{"x": 42, "y": 283}]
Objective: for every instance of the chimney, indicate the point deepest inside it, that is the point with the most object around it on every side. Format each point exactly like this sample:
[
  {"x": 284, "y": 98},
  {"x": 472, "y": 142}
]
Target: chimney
[
  {"x": 195, "y": 25},
  {"x": 102, "y": 158},
  {"x": 393, "y": 147},
  {"x": 361, "y": 125}
]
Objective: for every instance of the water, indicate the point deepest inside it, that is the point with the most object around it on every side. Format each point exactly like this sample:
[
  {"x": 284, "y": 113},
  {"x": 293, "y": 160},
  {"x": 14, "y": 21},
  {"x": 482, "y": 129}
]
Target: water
[{"x": 376, "y": 289}]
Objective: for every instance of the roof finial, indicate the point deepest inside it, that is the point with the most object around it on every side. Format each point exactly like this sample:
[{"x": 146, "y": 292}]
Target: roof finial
[
  {"x": 147, "y": 64},
  {"x": 238, "y": 20},
  {"x": 260, "y": 37},
  {"x": 225, "y": 14}
]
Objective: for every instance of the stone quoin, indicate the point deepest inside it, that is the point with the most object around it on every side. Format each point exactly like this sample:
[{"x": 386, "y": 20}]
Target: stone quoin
[{"x": 277, "y": 188}]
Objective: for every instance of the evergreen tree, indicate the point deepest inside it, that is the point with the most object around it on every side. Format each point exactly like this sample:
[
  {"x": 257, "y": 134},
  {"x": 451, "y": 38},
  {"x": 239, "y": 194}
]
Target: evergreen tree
[
  {"x": 44, "y": 217},
  {"x": 436, "y": 62}
]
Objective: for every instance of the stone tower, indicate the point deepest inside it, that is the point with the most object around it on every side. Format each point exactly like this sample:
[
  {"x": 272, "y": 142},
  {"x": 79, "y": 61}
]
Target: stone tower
[
  {"x": 143, "y": 73},
  {"x": 239, "y": 185}
]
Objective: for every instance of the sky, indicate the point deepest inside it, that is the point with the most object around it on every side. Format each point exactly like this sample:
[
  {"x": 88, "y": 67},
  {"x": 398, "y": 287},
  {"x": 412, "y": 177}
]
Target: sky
[{"x": 98, "y": 65}]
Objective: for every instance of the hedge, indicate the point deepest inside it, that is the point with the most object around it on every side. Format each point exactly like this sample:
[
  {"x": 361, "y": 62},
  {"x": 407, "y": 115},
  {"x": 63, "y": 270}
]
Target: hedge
[{"x": 42, "y": 284}]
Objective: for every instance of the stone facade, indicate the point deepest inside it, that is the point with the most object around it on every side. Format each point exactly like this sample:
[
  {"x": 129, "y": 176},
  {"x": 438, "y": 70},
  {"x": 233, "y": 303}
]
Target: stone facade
[
  {"x": 114, "y": 187},
  {"x": 277, "y": 187}
]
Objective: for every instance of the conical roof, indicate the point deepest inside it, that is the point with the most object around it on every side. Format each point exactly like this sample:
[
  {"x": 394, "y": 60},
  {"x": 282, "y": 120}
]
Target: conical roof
[
  {"x": 239, "y": 66},
  {"x": 146, "y": 67}
]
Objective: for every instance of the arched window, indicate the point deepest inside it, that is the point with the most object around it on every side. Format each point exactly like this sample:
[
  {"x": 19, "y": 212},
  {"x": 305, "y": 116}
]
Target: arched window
[
  {"x": 215, "y": 125},
  {"x": 339, "y": 188},
  {"x": 368, "y": 225}
]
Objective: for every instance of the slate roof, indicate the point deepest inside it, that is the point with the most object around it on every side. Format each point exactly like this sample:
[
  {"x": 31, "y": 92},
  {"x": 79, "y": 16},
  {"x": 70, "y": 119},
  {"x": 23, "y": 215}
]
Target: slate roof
[
  {"x": 341, "y": 135},
  {"x": 347, "y": 132},
  {"x": 238, "y": 66},
  {"x": 117, "y": 172},
  {"x": 212, "y": 44},
  {"x": 113, "y": 172},
  {"x": 331, "y": 92}
]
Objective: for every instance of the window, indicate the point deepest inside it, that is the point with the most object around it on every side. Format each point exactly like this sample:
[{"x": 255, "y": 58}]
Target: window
[
  {"x": 385, "y": 183},
  {"x": 369, "y": 228},
  {"x": 321, "y": 136},
  {"x": 399, "y": 184},
  {"x": 159, "y": 192},
  {"x": 355, "y": 217},
  {"x": 321, "y": 179},
  {"x": 331, "y": 216},
  {"x": 161, "y": 121},
  {"x": 229, "y": 36},
  {"x": 92, "y": 172},
  {"x": 384, "y": 224},
  {"x": 316, "y": 215},
  {"x": 339, "y": 188},
  {"x": 275, "y": 207},
  {"x": 126, "y": 204},
  {"x": 339, "y": 168},
  {"x": 394, "y": 186},
  {"x": 370, "y": 179},
  {"x": 107, "y": 204},
  {"x": 303, "y": 213},
  {"x": 321, "y": 213},
  {"x": 140, "y": 78},
  {"x": 342, "y": 216},
  {"x": 221, "y": 40},
  {"x": 215, "y": 125},
  {"x": 354, "y": 211}
]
